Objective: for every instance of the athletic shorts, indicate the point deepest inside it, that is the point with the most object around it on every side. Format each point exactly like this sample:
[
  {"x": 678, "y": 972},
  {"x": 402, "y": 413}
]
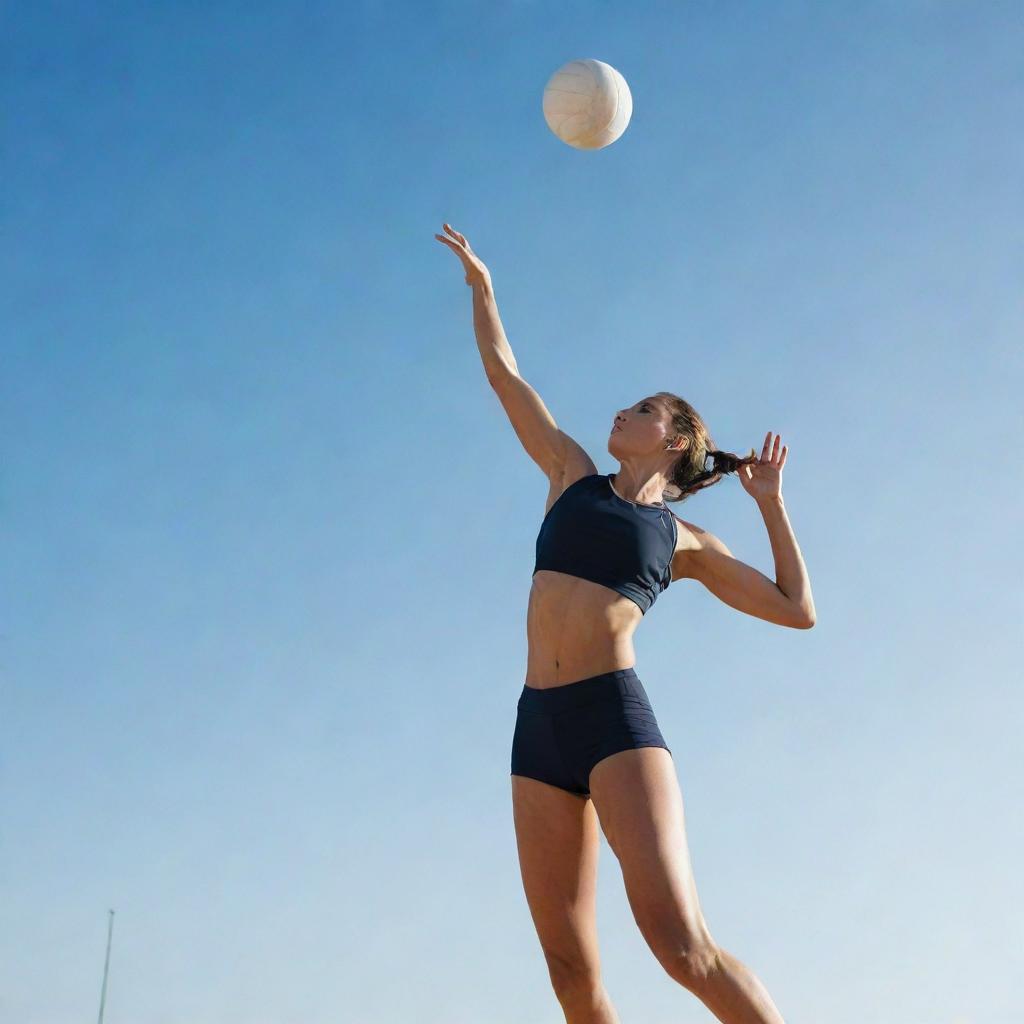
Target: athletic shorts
[{"x": 563, "y": 731}]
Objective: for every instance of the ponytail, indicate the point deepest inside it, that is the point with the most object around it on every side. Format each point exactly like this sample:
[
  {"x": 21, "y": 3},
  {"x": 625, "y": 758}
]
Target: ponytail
[{"x": 691, "y": 472}]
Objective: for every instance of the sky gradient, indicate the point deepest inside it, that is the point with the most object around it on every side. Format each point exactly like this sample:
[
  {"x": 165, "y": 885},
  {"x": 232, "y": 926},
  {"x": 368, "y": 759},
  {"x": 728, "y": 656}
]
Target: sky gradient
[{"x": 269, "y": 535}]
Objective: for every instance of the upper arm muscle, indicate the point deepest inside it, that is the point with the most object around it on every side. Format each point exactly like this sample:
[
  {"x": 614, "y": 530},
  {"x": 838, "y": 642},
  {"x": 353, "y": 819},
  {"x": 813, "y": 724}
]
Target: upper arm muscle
[
  {"x": 737, "y": 584},
  {"x": 534, "y": 425}
]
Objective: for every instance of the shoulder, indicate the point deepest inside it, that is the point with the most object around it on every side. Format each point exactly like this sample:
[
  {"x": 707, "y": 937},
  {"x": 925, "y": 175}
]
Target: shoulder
[
  {"x": 692, "y": 542},
  {"x": 576, "y": 461},
  {"x": 690, "y": 537},
  {"x": 574, "y": 464}
]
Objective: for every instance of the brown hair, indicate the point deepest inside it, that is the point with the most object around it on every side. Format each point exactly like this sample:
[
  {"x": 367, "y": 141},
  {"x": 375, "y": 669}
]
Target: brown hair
[{"x": 690, "y": 473}]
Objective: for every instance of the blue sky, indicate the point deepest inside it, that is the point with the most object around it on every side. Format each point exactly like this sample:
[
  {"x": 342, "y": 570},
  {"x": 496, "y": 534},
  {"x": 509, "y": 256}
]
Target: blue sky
[{"x": 269, "y": 535}]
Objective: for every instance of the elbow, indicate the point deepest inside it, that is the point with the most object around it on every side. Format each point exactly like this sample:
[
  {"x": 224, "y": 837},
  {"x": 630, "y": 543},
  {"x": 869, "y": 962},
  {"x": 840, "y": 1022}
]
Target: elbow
[{"x": 797, "y": 617}]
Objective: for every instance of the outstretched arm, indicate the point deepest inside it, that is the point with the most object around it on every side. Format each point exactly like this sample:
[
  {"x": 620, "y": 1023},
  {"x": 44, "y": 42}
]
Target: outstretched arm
[
  {"x": 495, "y": 351},
  {"x": 534, "y": 425}
]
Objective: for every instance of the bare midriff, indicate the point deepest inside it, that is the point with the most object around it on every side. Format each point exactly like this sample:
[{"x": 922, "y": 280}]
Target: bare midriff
[{"x": 576, "y": 629}]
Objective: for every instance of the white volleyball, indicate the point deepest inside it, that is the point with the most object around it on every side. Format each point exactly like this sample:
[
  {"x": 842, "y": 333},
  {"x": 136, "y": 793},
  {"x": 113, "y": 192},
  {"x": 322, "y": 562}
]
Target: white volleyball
[{"x": 587, "y": 104}]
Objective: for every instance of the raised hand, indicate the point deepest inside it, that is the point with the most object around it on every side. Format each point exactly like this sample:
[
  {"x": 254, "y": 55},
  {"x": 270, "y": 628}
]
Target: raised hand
[
  {"x": 476, "y": 272},
  {"x": 762, "y": 480}
]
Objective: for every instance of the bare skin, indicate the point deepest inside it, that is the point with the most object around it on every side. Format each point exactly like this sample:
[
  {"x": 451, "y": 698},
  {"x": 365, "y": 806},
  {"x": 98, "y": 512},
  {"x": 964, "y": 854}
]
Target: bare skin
[{"x": 577, "y": 629}]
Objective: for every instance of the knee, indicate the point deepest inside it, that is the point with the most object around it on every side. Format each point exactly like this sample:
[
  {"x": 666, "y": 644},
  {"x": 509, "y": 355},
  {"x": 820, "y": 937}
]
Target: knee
[
  {"x": 576, "y": 982},
  {"x": 692, "y": 964}
]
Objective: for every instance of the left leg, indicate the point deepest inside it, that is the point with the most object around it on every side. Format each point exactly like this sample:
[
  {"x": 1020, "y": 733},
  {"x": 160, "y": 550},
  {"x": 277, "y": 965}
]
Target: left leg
[{"x": 636, "y": 795}]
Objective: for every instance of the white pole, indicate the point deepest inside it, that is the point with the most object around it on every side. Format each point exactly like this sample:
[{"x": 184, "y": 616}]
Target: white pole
[{"x": 106, "y": 966}]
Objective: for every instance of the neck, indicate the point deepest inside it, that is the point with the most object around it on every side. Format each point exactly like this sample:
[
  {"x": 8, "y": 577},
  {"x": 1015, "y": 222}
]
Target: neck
[{"x": 634, "y": 486}]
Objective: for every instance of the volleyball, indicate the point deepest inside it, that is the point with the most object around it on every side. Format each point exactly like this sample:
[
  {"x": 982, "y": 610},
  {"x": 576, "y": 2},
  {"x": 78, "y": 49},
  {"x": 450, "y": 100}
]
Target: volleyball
[{"x": 587, "y": 104}]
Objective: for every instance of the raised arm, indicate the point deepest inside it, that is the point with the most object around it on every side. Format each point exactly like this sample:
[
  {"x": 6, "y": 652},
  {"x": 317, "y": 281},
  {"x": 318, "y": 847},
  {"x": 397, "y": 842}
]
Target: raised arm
[{"x": 534, "y": 425}]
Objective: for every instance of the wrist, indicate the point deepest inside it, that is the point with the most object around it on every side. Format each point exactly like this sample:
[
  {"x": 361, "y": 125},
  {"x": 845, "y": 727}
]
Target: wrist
[{"x": 770, "y": 503}]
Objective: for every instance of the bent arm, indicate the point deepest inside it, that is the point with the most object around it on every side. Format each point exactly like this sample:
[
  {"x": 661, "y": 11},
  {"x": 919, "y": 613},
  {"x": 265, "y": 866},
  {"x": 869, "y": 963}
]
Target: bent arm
[
  {"x": 790, "y": 572},
  {"x": 786, "y": 602}
]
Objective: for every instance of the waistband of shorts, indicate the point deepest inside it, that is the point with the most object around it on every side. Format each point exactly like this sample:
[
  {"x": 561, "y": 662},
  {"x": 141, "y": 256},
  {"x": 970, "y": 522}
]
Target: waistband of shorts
[{"x": 551, "y": 699}]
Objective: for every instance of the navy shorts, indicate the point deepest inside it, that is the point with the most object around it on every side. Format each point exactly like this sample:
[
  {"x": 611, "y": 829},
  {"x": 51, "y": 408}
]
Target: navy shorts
[{"x": 563, "y": 731}]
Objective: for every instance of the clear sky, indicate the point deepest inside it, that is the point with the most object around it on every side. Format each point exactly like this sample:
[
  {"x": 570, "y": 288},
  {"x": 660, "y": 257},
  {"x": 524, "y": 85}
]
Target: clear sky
[{"x": 269, "y": 535}]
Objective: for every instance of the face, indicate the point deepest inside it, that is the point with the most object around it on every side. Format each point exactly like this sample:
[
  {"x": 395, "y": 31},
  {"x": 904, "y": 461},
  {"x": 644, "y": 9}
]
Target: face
[{"x": 642, "y": 429}]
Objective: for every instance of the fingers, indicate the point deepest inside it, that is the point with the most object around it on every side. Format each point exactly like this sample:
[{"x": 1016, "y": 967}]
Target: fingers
[
  {"x": 459, "y": 245},
  {"x": 459, "y": 251},
  {"x": 460, "y": 238},
  {"x": 775, "y": 458}
]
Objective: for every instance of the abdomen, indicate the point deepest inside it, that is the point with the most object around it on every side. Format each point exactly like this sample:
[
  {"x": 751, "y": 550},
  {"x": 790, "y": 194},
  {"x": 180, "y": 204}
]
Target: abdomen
[{"x": 576, "y": 629}]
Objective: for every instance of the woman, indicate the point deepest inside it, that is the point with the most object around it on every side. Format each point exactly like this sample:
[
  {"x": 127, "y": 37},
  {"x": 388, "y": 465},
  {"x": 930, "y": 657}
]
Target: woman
[{"x": 587, "y": 750}]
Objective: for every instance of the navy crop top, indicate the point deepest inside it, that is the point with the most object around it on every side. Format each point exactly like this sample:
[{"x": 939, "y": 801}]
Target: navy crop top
[{"x": 592, "y": 533}]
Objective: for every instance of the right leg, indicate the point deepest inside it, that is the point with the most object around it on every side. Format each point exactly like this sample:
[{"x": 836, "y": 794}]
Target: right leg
[
  {"x": 557, "y": 837},
  {"x": 637, "y": 797}
]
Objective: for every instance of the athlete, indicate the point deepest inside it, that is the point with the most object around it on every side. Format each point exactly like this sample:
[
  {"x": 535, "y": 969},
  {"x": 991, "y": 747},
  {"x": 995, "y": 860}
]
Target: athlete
[{"x": 587, "y": 751}]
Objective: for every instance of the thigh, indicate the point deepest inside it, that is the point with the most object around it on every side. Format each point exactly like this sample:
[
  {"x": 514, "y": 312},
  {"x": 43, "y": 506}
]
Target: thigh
[
  {"x": 640, "y": 807},
  {"x": 558, "y": 840}
]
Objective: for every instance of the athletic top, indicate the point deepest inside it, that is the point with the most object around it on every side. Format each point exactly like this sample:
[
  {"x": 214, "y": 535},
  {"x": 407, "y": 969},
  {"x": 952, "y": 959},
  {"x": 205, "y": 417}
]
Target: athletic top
[{"x": 592, "y": 533}]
